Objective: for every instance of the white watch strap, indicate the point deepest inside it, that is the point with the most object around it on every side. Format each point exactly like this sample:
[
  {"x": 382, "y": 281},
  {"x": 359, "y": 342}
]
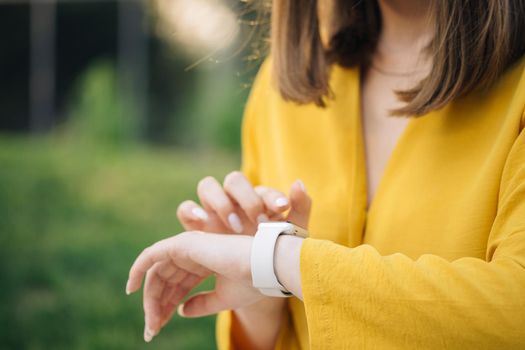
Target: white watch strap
[{"x": 262, "y": 257}]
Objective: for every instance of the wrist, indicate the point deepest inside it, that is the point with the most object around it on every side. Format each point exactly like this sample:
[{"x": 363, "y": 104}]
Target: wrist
[
  {"x": 287, "y": 263},
  {"x": 257, "y": 326},
  {"x": 266, "y": 307}
]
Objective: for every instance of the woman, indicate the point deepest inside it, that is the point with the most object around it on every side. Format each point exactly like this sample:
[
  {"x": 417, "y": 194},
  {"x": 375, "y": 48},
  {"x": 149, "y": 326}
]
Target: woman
[{"x": 426, "y": 250}]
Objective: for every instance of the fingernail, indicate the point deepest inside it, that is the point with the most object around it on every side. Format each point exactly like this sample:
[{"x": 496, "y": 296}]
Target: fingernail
[
  {"x": 301, "y": 185},
  {"x": 281, "y": 202},
  {"x": 127, "y": 288},
  {"x": 262, "y": 218},
  {"x": 180, "y": 310},
  {"x": 199, "y": 213},
  {"x": 148, "y": 335},
  {"x": 235, "y": 222}
]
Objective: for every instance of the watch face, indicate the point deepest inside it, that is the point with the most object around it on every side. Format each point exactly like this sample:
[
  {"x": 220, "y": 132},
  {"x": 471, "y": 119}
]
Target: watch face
[
  {"x": 276, "y": 224},
  {"x": 282, "y": 225},
  {"x": 285, "y": 227}
]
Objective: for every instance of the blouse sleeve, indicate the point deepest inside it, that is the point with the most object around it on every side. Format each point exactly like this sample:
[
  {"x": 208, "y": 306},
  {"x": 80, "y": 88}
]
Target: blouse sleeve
[
  {"x": 249, "y": 167},
  {"x": 355, "y": 296}
]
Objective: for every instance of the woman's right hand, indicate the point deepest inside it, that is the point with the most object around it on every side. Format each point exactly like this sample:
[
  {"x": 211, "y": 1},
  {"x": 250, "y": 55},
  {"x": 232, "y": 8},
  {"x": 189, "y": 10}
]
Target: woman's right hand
[
  {"x": 234, "y": 207},
  {"x": 238, "y": 207}
]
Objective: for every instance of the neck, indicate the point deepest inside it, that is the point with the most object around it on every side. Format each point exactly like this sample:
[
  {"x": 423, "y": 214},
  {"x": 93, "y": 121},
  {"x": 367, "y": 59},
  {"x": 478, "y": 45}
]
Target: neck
[
  {"x": 405, "y": 25},
  {"x": 406, "y": 30}
]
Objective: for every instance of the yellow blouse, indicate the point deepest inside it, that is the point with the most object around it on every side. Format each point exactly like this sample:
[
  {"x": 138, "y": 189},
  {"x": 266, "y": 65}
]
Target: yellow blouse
[{"x": 438, "y": 260}]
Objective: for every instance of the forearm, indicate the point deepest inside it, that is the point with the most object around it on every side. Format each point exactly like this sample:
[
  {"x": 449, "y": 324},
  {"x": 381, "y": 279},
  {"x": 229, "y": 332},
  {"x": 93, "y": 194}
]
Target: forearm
[
  {"x": 257, "y": 326},
  {"x": 429, "y": 302}
]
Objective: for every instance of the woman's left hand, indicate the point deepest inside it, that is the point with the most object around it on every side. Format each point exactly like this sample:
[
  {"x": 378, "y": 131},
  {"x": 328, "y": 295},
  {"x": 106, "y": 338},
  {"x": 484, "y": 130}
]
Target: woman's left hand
[{"x": 175, "y": 265}]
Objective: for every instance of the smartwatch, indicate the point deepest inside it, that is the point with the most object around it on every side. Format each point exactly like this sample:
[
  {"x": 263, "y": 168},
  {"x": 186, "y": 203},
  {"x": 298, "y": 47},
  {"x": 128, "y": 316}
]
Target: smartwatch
[{"x": 262, "y": 256}]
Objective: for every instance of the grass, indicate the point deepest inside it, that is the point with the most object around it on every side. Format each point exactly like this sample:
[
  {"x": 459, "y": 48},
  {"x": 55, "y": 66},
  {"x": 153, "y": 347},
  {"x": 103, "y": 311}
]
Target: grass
[{"x": 72, "y": 219}]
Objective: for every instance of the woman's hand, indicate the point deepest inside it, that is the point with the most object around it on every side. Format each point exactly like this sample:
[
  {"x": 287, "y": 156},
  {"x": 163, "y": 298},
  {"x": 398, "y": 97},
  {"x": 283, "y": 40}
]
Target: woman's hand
[
  {"x": 175, "y": 265},
  {"x": 170, "y": 277},
  {"x": 234, "y": 207}
]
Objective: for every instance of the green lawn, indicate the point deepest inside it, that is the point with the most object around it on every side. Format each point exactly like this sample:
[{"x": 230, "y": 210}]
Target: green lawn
[{"x": 71, "y": 222}]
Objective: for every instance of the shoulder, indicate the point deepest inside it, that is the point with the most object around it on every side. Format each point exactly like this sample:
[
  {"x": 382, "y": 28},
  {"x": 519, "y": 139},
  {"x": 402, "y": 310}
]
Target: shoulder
[
  {"x": 508, "y": 93},
  {"x": 262, "y": 84},
  {"x": 520, "y": 71},
  {"x": 513, "y": 79},
  {"x": 485, "y": 111},
  {"x": 265, "y": 99}
]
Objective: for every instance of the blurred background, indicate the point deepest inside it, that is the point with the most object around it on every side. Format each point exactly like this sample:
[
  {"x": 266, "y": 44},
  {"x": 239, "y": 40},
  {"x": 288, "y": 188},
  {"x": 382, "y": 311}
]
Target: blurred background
[{"x": 111, "y": 111}]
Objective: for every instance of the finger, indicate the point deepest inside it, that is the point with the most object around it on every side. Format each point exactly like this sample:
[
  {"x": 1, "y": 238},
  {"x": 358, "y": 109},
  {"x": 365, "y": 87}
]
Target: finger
[
  {"x": 149, "y": 256},
  {"x": 274, "y": 200},
  {"x": 277, "y": 217},
  {"x": 213, "y": 198},
  {"x": 167, "y": 311},
  {"x": 249, "y": 227},
  {"x": 241, "y": 191},
  {"x": 167, "y": 294},
  {"x": 301, "y": 204},
  {"x": 191, "y": 215},
  {"x": 174, "y": 281},
  {"x": 201, "y": 304},
  {"x": 185, "y": 286},
  {"x": 153, "y": 289},
  {"x": 171, "y": 276},
  {"x": 178, "y": 276},
  {"x": 194, "y": 218}
]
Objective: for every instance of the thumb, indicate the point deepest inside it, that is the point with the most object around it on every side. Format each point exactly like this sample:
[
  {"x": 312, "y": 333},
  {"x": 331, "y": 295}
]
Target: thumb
[
  {"x": 201, "y": 304},
  {"x": 300, "y": 203}
]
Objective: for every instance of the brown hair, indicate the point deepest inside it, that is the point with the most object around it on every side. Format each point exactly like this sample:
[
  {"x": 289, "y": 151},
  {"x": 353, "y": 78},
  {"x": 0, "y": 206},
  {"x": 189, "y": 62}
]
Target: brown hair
[{"x": 474, "y": 42}]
